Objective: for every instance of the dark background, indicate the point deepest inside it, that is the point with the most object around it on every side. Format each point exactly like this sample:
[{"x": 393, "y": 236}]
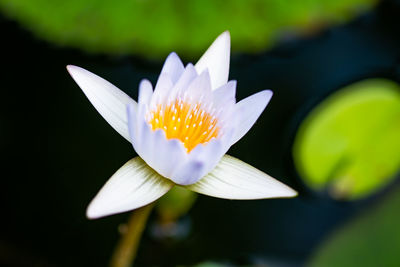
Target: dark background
[{"x": 56, "y": 151}]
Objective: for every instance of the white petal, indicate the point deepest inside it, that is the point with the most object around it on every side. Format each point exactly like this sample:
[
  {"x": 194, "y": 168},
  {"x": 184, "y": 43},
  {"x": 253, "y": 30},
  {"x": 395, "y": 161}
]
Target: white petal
[
  {"x": 145, "y": 92},
  {"x": 108, "y": 100},
  {"x": 134, "y": 185},
  {"x": 216, "y": 60},
  {"x": 173, "y": 67},
  {"x": 234, "y": 179},
  {"x": 248, "y": 110}
]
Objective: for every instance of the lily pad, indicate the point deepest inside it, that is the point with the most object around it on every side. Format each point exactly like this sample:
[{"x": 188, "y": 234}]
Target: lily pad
[
  {"x": 157, "y": 27},
  {"x": 349, "y": 145},
  {"x": 372, "y": 239}
]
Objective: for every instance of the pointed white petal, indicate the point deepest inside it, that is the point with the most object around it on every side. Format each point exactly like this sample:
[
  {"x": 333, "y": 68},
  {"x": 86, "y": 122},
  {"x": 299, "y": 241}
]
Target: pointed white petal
[
  {"x": 145, "y": 92},
  {"x": 216, "y": 60},
  {"x": 248, "y": 110},
  {"x": 134, "y": 185},
  {"x": 173, "y": 67},
  {"x": 108, "y": 100},
  {"x": 234, "y": 179}
]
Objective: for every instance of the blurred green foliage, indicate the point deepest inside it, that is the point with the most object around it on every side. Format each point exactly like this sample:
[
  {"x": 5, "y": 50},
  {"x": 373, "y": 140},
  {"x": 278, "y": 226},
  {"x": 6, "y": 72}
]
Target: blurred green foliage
[
  {"x": 210, "y": 264},
  {"x": 176, "y": 203},
  {"x": 350, "y": 143},
  {"x": 370, "y": 240},
  {"x": 157, "y": 27}
]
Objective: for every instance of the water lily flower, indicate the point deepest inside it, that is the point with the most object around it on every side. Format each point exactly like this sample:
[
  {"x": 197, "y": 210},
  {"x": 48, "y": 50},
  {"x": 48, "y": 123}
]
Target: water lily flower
[{"x": 181, "y": 132}]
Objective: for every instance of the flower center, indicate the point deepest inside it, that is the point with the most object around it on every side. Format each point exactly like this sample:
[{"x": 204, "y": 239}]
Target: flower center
[{"x": 190, "y": 123}]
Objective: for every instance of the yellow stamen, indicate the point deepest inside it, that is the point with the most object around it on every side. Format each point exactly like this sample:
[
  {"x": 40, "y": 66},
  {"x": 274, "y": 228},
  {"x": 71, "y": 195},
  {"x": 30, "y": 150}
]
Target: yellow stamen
[{"x": 189, "y": 123}]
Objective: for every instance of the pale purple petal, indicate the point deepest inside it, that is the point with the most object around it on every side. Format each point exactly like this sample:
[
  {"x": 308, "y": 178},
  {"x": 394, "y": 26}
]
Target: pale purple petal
[
  {"x": 189, "y": 173},
  {"x": 173, "y": 67},
  {"x": 163, "y": 88},
  {"x": 225, "y": 94},
  {"x": 201, "y": 160},
  {"x": 167, "y": 154},
  {"x": 247, "y": 112},
  {"x": 132, "y": 125},
  {"x": 162, "y": 154},
  {"x": 184, "y": 81},
  {"x": 224, "y": 102},
  {"x": 146, "y": 146},
  {"x": 199, "y": 89}
]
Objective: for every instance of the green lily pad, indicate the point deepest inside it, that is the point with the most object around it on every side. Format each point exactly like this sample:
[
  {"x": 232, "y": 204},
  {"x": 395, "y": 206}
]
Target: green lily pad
[
  {"x": 370, "y": 240},
  {"x": 157, "y": 27},
  {"x": 349, "y": 144}
]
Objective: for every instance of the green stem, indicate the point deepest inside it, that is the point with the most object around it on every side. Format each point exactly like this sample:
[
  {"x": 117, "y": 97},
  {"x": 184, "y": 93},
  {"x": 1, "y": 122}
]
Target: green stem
[{"x": 125, "y": 251}]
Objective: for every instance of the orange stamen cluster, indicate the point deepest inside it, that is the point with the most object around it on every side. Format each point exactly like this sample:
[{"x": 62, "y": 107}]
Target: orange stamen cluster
[{"x": 190, "y": 123}]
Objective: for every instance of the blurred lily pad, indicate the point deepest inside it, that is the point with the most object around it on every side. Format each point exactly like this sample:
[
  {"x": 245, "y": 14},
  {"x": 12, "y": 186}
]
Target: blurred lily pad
[
  {"x": 372, "y": 239},
  {"x": 349, "y": 144},
  {"x": 157, "y": 27}
]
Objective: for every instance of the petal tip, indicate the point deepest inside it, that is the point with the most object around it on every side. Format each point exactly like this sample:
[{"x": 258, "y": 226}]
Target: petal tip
[
  {"x": 145, "y": 82},
  {"x": 172, "y": 55},
  {"x": 233, "y": 82},
  {"x": 289, "y": 192},
  {"x": 72, "y": 68},
  {"x": 93, "y": 213},
  {"x": 235, "y": 179},
  {"x": 226, "y": 36},
  {"x": 267, "y": 94},
  {"x": 206, "y": 75},
  {"x": 216, "y": 59}
]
